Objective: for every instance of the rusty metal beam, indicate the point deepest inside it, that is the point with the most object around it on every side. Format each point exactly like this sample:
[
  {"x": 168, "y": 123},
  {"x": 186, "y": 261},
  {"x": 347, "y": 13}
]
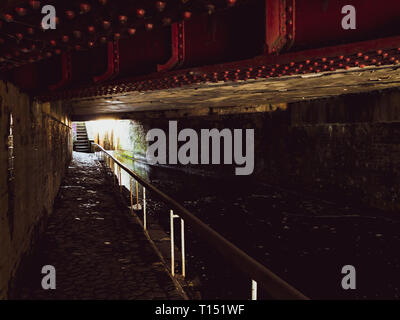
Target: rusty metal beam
[
  {"x": 112, "y": 62},
  {"x": 178, "y": 47},
  {"x": 202, "y": 47},
  {"x": 378, "y": 52},
  {"x": 280, "y": 24},
  {"x": 66, "y": 63}
]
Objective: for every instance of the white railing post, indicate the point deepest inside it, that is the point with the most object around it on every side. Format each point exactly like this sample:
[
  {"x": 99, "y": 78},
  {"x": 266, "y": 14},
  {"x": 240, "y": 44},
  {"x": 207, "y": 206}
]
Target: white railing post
[
  {"x": 183, "y": 247},
  {"x": 130, "y": 189},
  {"x": 171, "y": 217},
  {"x": 253, "y": 290},
  {"x": 120, "y": 179},
  {"x": 113, "y": 171},
  {"x": 137, "y": 195}
]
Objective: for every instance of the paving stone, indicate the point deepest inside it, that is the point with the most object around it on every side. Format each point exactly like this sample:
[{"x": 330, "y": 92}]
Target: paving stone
[{"x": 88, "y": 259}]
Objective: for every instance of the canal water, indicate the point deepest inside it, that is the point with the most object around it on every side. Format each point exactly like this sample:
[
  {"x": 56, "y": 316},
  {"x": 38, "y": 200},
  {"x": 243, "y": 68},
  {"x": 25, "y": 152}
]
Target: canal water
[{"x": 304, "y": 240}]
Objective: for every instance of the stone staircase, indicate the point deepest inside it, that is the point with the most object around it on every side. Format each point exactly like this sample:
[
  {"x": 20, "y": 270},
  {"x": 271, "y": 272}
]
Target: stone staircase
[{"x": 82, "y": 141}]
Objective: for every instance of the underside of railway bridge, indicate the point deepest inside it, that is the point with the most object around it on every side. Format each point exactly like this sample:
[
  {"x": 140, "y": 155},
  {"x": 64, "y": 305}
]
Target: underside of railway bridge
[{"x": 317, "y": 82}]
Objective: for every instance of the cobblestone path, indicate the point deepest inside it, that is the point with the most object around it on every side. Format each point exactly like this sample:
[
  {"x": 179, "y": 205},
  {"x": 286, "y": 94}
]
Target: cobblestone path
[{"x": 97, "y": 249}]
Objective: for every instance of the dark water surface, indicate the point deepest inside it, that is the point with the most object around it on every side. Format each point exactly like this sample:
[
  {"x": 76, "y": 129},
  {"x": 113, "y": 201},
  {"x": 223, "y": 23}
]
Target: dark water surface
[{"x": 304, "y": 240}]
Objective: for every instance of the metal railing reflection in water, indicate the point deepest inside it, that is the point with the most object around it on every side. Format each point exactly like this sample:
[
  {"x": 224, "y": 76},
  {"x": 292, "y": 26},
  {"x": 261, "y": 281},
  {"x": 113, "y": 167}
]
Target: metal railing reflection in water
[{"x": 275, "y": 287}]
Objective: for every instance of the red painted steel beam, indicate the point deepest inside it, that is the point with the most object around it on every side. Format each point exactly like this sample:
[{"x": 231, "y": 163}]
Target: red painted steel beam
[
  {"x": 236, "y": 34},
  {"x": 380, "y": 52},
  {"x": 289, "y": 29},
  {"x": 178, "y": 47},
  {"x": 112, "y": 62},
  {"x": 280, "y": 24},
  {"x": 84, "y": 25},
  {"x": 66, "y": 72},
  {"x": 317, "y": 23},
  {"x": 293, "y": 25}
]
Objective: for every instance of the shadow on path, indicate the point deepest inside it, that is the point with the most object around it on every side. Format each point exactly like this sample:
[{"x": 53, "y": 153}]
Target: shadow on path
[{"x": 98, "y": 251}]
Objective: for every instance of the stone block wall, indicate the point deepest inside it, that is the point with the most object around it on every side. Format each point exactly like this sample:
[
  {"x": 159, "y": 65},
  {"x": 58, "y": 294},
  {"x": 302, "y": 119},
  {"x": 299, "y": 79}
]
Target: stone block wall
[
  {"x": 346, "y": 147},
  {"x": 42, "y": 149}
]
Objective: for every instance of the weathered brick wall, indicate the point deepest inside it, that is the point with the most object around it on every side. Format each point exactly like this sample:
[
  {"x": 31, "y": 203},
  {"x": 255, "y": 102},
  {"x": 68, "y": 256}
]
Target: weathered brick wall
[{"x": 42, "y": 149}]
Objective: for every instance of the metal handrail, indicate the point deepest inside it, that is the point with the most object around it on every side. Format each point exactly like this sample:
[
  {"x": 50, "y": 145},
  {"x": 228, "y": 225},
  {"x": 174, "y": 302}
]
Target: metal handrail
[{"x": 274, "y": 285}]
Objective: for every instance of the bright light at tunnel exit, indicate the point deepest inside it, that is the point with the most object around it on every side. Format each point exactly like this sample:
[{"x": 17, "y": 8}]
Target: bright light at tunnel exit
[
  {"x": 101, "y": 128},
  {"x": 101, "y": 125}
]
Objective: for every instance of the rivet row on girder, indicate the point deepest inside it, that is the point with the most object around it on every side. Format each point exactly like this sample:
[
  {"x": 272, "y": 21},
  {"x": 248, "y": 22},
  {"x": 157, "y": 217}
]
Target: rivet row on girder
[{"x": 324, "y": 64}]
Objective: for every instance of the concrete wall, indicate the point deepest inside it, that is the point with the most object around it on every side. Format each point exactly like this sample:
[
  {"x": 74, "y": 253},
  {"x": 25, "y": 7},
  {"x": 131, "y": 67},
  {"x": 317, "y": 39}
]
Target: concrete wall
[
  {"x": 343, "y": 147},
  {"x": 42, "y": 149}
]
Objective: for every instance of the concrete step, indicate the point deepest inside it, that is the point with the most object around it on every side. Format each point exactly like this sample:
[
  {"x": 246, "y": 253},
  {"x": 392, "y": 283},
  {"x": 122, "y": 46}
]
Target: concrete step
[{"x": 82, "y": 142}]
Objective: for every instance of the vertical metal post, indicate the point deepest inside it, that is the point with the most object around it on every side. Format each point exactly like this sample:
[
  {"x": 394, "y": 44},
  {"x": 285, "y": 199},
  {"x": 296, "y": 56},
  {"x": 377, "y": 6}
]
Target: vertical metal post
[
  {"x": 117, "y": 174},
  {"x": 183, "y": 247},
  {"x": 172, "y": 243},
  {"x": 253, "y": 290},
  {"x": 137, "y": 195},
  {"x": 130, "y": 189},
  {"x": 144, "y": 209},
  {"x": 172, "y": 216},
  {"x": 113, "y": 171},
  {"x": 120, "y": 179}
]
